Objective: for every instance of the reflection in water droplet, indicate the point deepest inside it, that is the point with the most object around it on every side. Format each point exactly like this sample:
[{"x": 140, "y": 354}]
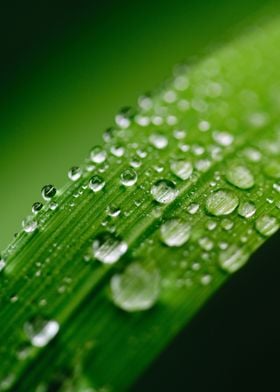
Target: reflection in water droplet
[
  {"x": 267, "y": 225},
  {"x": 181, "y": 168},
  {"x": 129, "y": 177},
  {"x": 36, "y": 207},
  {"x": 29, "y": 224},
  {"x": 233, "y": 258},
  {"x": 240, "y": 176},
  {"x": 108, "y": 248},
  {"x": 246, "y": 209},
  {"x": 75, "y": 173},
  {"x": 96, "y": 183},
  {"x": 164, "y": 191},
  {"x": 175, "y": 232},
  {"x": 40, "y": 332},
  {"x": 221, "y": 202},
  {"x": 136, "y": 289},
  {"x": 48, "y": 192}
]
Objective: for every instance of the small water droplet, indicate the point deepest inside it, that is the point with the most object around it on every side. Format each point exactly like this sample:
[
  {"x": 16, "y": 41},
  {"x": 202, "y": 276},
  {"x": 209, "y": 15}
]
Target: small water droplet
[
  {"x": 240, "y": 176},
  {"x": 98, "y": 154},
  {"x": 204, "y": 126},
  {"x": 129, "y": 177},
  {"x": 136, "y": 289},
  {"x": 123, "y": 118},
  {"x": 36, "y": 207},
  {"x": 222, "y": 138},
  {"x": 40, "y": 332},
  {"x": 29, "y": 224},
  {"x": 117, "y": 150},
  {"x": 267, "y": 225},
  {"x": 193, "y": 208},
  {"x": 227, "y": 224},
  {"x": 164, "y": 191},
  {"x": 48, "y": 192},
  {"x": 2, "y": 264},
  {"x": 181, "y": 168},
  {"x": 221, "y": 202},
  {"x": 108, "y": 248},
  {"x": 252, "y": 154},
  {"x": 158, "y": 140},
  {"x": 74, "y": 173},
  {"x": 206, "y": 280},
  {"x": 233, "y": 258},
  {"x": 96, "y": 183},
  {"x": 175, "y": 232},
  {"x": 246, "y": 209},
  {"x": 113, "y": 211},
  {"x": 205, "y": 243}
]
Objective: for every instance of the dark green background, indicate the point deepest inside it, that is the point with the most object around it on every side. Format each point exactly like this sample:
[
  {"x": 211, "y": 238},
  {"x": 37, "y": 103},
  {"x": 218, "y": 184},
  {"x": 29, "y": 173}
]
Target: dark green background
[{"x": 66, "y": 68}]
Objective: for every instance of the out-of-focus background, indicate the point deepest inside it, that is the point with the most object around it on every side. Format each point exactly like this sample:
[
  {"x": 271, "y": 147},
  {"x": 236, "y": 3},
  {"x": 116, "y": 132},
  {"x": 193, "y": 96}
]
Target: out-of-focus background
[{"x": 67, "y": 67}]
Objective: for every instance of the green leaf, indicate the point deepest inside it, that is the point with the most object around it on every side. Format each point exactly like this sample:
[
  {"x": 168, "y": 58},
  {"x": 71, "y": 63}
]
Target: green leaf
[{"x": 183, "y": 191}]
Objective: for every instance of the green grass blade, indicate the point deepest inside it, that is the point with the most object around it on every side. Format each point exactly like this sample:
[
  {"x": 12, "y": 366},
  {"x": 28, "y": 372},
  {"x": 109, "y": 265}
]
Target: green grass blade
[{"x": 212, "y": 134}]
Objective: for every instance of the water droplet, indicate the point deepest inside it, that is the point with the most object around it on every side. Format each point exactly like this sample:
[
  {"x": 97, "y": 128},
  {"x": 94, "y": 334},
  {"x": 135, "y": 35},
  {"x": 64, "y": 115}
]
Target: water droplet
[
  {"x": 233, "y": 258},
  {"x": 221, "y": 202},
  {"x": 2, "y": 264},
  {"x": 204, "y": 126},
  {"x": 129, "y": 177},
  {"x": 123, "y": 117},
  {"x": 117, "y": 150},
  {"x": 164, "y": 191},
  {"x": 136, "y": 289},
  {"x": 36, "y": 207},
  {"x": 48, "y": 192},
  {"x": 206, "y": 279},
  {"x": 113, "y": 211},
  {"x": 40, "y": 332},
  {"x": 29, "y": 224},
  {"x": 227, "y": 224},
  {"x": 98, "y": 154},
  {"x": 75, "y": 173},
  {"x": 246, "y": 209},
  {"x": 240, "y": 176},
  {"x": 175, "y": 232},
  {"x": 158, "y": 140},
  {"x": 193, "y": 208},
  {"x": 96, "y": 183},
  {"x": 267, "y": 225},
  {"x": 222, "y": 138},
  {"x": 181, "y": 168},
  {"x": 205, "y": 243},
  {"x": 252, "y": 154},
  {"x": 108, "y": 248}
]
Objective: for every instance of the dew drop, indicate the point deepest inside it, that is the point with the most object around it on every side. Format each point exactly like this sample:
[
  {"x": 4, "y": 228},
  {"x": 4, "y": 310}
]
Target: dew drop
[
  {"x": 175, "y": 232},
  {"x": 221, "y": 202},
  {"x": 96, "y": 183},
  {"x": 193, "y": 208},
  {"x": 158, "y": 140},
  {"x": 98, "y": 154},
  {"x": 123, "y": 118},
  {"x": 29, "y": 224},
  {"x": 2, "y": 264},
  {"x": 40, "y": 332},
  {"x": 205, "y": 243},
  {"x": 181, "y": 168},
  {"x": 113, "y": 211},
  {"x": 129, "y": 177},
  {"x": 108, "y": 248},
  {"x": 240, "y": 176},
  {"x": 48, "y": 192},
  {"x": 222, "y": 138},
  {"x": 164, "y": 191},
  {"x": 267, "y": 225},
  {"x": 74, "y": 173},
  {"x": 246, "y": 209},
  {"x": 232, "y": 258},
  {"x": 136, "y": 289},
  {"x": 36, "y": 207},
  {"x": 117, "y": 150}
]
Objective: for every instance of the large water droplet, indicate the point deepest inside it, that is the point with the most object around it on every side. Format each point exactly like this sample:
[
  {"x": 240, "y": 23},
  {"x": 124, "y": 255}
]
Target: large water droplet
[
  {"x": 75, "y": 173},
  {"x": 181, "y": 168},
  {"x": 108, "y": 248},
  {"x": 96, "y": 183},
  {"x": 98, "y": 154},
  {"x": 137, "y": 288},
  {"x": 233, "y": 258},
  {"x": 221, "y": 202},
  {"x": 267, "y": 225},
  {"x": 29, "y": 224},
  {"x": 48, "y": 192},
  {"x": 158, "y": 140},
  {"x": 240, "y": 176},
  {"x": 164, "y": 191},
  {"x": 40, "y": 332},
  {"x": 129, "y": 177},
  {"x": 246, "y": 209},
  {"x": 175, "y": 232}
]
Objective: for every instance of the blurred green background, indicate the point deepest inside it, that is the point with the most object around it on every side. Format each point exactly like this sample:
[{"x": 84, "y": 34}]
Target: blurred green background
[{"x": 67, "y": 67}]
